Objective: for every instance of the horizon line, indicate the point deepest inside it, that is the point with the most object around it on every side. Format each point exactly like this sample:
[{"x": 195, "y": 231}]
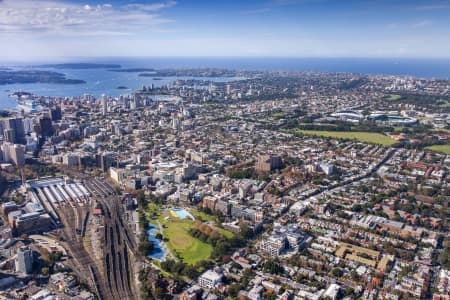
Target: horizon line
[{"x": 24, "y": 59}]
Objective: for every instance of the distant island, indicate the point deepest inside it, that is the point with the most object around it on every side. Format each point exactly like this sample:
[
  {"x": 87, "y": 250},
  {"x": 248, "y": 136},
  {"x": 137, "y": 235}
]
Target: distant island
[
  {"x": 204, "y": 72},
  {"x": 150, "y": 75},
  {"x": 11, "y": 77},
  {"x": 123, "y": 87},
  {"x": 146, "y": 75},
  {"x": 80, "y": 66},
  {"x": 133, "y": 70},
  {"x": 20, "y": 94}
]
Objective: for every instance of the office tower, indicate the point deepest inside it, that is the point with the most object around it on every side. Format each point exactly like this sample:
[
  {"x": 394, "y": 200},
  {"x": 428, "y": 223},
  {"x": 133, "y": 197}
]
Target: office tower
[
  {"x": 122, "y": 101},
  {"x": 104, "y": 105},
  {"x": 24, "y": 263},
  {"x": 105, "y": 161},
  {"x": 46, "y": 126},
  {"x": 133, "y": 104},
  {"x": 9, "y": 135},
  {"x": 13, "y": 153},
  {"x": 28, "y": 124},
  {"x": 5, "y": 152},
  {"x": 56, "y": 113},
  {"x": 16, "y": 125},
  {"x": 17, "y": 155},
  {"x": 175, "y": 122}
]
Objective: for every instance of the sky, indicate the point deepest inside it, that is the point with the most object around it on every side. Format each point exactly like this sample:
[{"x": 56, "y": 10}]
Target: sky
[{"x": 54, "y": 29}]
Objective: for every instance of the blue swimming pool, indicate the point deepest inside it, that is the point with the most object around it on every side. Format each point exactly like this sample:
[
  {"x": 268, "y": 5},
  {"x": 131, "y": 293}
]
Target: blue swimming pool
[{"x": 182, "y": 214}]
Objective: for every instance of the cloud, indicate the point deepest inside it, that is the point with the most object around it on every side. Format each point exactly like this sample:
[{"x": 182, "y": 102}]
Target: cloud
[
  {"x": 152, "y": 7},
  {"x": 423, "y": 23},
  {"x": 434, "y": 6},
  {"x": 64, "y": 18}
]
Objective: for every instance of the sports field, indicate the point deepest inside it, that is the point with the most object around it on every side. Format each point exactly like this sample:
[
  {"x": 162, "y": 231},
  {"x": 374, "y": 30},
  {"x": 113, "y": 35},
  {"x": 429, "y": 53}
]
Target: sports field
[
  {"x": 440, "y": 148},
  {"x": 366, "y": 137},
  {"x": 394, "y": 97}
]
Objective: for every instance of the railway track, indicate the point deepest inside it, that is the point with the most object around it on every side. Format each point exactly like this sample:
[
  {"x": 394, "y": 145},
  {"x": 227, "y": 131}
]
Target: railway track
[
  {"x": 118, "y": 246},
  {"x": 111, "y": 276},
  {"x": 72, "y": 218}
]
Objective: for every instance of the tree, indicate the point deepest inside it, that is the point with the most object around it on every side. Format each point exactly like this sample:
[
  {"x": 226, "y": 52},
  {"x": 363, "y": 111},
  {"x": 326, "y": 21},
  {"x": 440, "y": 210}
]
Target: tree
[
  {"x": 273, "y": 267},
  {"x": 337, "y": 272},
  {"x": 55, "y": 256},
  {"x": 269, "y": 295}
]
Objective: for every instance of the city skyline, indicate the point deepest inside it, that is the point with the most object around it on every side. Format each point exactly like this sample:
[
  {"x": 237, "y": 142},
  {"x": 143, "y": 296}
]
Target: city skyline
[{"x": 54, "y": 29}]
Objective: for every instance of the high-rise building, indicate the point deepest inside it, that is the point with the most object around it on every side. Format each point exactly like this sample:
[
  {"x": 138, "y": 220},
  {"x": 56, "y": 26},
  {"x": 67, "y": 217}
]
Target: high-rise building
[
  {"x": 46, "y": 126},
  {"x": 105, "y": 161},
  {"x": 56, "y": 113},
  {"x": 133, "y": 104},
  {"x": 5, "y": 152},
  {"x": 176, "y": 122},
  {"x": 24, "y": 263},
  {"x": 17, "y": 154},
  {"x": 104, "y": 105},
  {"x": 28, "y": 124},
  {"x": 9, "y": 135},
  {"x": 13, "y": 153},
  {"x": 15, "y": 125}
]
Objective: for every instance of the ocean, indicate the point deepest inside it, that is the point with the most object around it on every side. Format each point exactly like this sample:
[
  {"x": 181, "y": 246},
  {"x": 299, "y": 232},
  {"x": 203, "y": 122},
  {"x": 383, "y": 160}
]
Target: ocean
[{"x": 100, "y": 81}]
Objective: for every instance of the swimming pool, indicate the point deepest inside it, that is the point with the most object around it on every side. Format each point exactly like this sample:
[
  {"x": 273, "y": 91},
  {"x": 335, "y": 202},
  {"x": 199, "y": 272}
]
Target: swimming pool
[{"x": 181, "y": 214}]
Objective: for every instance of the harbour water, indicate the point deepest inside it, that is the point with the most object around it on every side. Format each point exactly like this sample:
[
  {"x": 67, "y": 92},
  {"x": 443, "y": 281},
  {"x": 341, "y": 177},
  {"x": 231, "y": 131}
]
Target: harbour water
[{"x": 102, "y": 81}]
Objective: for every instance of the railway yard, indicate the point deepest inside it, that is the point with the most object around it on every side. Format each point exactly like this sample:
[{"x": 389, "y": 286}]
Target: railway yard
[{"x": 106, "y": 266}]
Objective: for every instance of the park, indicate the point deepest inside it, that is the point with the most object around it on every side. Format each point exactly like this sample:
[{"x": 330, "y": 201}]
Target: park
[{"x": 174, "y": 225}]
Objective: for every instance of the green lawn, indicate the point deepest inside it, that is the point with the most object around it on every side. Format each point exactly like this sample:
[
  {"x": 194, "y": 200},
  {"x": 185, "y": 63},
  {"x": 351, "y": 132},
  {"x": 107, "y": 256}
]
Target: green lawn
[
  {"x": 440, "y": 148},
  {"x": 277, "y": 115},
  {"x": 443, "y": 103},
  {"x": 189, "y": 249},
  {"x": 201, "y": 215},
  {"x": 208, "y": 218},
  {"x": 152, "y": 213},
  {"x": 393, "y": 97},
  {"x": 225, "y": 233},
  {"x": 367, "y": 137}
]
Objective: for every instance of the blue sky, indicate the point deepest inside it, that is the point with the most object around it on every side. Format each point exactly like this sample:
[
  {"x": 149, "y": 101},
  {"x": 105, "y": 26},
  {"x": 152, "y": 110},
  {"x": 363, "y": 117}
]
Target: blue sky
[{"x": 31, "y": 29}]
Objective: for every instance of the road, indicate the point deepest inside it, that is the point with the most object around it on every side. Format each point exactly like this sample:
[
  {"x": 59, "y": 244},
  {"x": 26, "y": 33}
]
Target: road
[{"x": 367, "y": 174}]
